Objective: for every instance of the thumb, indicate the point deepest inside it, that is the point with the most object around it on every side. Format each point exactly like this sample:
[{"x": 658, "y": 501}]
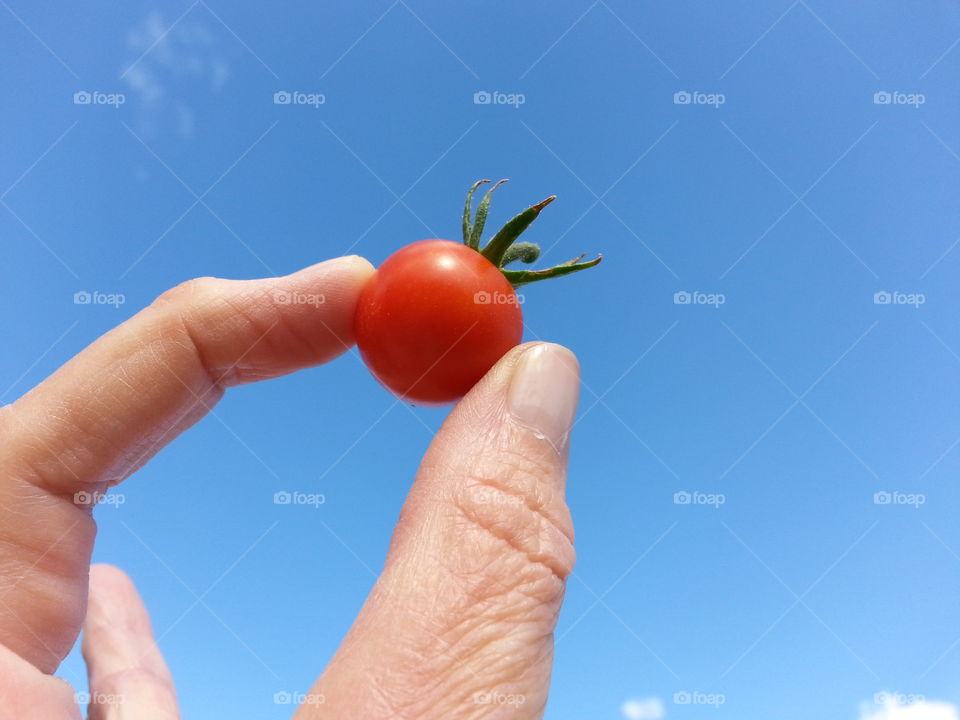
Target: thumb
[{"x": 460, "y": 623}]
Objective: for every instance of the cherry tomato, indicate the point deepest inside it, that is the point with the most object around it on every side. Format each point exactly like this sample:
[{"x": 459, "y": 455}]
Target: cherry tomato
[
  {"x": 434, "y": 318},
  {"x": 437, "y": 315}
]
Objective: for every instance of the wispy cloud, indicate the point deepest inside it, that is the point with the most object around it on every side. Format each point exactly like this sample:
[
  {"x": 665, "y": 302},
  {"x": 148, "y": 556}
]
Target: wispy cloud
[
  {"x": 643, "y": 709},
  {"x": 173, "y": 60},
  {"x": 892, "y": 707}
]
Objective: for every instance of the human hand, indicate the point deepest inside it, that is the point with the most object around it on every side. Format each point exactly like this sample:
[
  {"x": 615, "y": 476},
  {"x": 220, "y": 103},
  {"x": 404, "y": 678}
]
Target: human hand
[{"x": 460, "y": 623}]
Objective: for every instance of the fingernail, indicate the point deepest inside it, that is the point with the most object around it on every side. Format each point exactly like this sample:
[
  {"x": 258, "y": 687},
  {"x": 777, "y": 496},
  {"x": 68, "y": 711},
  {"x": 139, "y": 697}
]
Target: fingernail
[{"x": 543, "y": 392}]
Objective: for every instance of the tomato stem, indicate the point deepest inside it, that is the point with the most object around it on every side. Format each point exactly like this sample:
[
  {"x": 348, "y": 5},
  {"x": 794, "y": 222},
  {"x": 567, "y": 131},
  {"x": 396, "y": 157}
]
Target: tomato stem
[
  {"x": 525, "y": 277},
  {"x": 503, "y": 248},
  {"x": 526, "y": 252},
  {"x": 507, "y": 235},
  {"x": 481, "y": 219},
  {"x": 467, "y": 212}
]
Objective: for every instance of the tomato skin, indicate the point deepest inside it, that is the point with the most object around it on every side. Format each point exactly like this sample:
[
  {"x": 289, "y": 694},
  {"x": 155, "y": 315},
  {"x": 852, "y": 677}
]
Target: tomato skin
[{"x": 433, "y": 319}]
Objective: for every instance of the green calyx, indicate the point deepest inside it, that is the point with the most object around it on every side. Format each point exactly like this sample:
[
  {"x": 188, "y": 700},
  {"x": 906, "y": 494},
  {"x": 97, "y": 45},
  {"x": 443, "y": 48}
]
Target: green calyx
[{"x": 503, "y": 248}]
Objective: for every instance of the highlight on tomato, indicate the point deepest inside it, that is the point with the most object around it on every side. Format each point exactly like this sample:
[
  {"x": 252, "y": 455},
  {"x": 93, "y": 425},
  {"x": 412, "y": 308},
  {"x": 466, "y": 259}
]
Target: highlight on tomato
[{"x": 437, "y": 314}]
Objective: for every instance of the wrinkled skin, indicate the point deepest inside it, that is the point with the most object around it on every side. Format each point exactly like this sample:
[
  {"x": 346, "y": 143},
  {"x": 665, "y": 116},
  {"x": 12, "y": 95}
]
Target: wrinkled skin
[{"x": 460, "y": 623}]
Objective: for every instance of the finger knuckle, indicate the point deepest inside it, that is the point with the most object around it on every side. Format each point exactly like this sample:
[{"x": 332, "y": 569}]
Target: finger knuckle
[
  {"x": 186, "y": 293},
  {"x": 518, "y": 525}
]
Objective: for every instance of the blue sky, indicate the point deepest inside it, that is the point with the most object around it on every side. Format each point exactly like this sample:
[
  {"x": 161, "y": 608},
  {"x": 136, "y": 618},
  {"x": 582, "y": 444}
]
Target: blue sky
[{"x": 815, "y": 165}]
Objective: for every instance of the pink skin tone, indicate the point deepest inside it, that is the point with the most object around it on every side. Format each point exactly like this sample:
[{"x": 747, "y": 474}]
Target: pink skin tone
[{"x": 460, "y": 623}]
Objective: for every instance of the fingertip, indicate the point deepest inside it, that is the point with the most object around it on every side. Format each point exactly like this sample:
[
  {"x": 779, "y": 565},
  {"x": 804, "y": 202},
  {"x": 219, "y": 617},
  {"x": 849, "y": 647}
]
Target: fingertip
[
  {"x": 114, "y": 600},
  {"x": 106, "y": 577},
  {"x": 512, "y": 357},
  {"x": 499, "y": 375},
  {"x": 105, "y": 572},
  {"x": 536, "y": 384},
  {"x": 544, "y": 391},
  {"x": 355, "y": 265},
  {"x": 354, "y": 268},
  {"x": 360, "y": 262}
]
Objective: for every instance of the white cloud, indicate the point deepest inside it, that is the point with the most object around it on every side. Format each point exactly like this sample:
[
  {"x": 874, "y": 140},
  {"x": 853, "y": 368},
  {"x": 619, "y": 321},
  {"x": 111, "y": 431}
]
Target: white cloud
[
  {"x": 173, "y": 64},
  {"x": 892, "y": 706},
  {"x": 645, "y": 709}
]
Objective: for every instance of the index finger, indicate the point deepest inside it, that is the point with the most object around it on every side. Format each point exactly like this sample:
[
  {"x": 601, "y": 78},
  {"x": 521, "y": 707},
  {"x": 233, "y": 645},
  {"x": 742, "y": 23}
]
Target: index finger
[{"x": 110, "y": 408}]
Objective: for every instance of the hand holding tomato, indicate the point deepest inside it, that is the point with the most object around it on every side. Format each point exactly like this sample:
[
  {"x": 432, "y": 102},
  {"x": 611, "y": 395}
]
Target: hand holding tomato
[{"x": 464, "y": 610}]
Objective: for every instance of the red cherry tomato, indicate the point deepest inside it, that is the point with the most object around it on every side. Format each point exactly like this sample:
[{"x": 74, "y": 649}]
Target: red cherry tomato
[{"x": 434, "y": 318}]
